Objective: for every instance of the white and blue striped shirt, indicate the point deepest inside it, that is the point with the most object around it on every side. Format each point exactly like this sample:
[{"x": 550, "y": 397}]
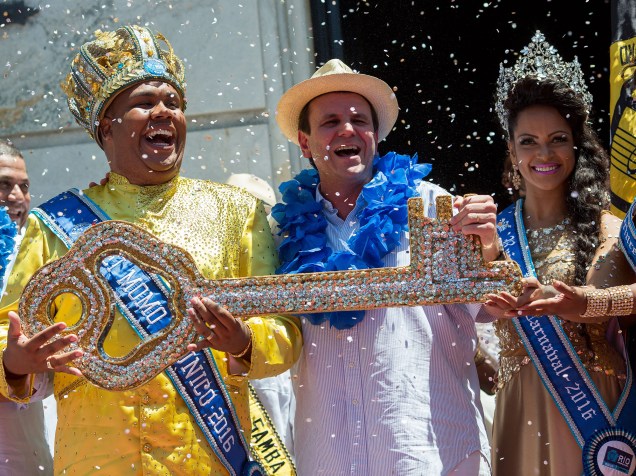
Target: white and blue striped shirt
[{"x": 398, "y": 393}]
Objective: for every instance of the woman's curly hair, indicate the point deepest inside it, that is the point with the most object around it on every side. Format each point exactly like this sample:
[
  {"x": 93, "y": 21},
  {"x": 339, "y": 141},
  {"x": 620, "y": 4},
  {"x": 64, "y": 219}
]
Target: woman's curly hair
[{"x": 588, "y": 185}]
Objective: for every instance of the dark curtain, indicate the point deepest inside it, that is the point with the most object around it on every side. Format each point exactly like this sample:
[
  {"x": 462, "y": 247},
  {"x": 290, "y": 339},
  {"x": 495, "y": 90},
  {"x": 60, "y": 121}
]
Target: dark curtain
[{"x": 442, "y": 57}]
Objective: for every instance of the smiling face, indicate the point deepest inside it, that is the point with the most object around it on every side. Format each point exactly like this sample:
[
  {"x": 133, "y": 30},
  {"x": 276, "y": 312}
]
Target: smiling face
[
  {"x": 342, "y": 141},
  {"x": 14, "y": 188},
  {"x": 143, "y": 133},
  {"x": 542, "y": 147}
]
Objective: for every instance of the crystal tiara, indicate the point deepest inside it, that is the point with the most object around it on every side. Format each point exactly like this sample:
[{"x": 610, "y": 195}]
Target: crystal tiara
[{"x": 539, "y": 60}]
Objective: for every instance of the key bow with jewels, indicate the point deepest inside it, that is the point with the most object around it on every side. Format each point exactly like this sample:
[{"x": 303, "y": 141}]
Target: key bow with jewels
[{"x": 445, "y": 268}]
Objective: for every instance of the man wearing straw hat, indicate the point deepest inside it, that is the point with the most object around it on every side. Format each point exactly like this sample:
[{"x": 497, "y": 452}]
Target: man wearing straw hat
[
  {"x": 388, "y": 391},
  {"x": 127, "y": 89}
]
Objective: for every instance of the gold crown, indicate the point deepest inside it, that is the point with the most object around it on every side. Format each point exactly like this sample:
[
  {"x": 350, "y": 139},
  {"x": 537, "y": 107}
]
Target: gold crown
[{"x": 111, "y": 63}]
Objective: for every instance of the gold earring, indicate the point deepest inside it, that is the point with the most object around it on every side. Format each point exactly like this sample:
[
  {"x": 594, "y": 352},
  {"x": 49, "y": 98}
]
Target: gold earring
[{"x": 516, "y": 178}]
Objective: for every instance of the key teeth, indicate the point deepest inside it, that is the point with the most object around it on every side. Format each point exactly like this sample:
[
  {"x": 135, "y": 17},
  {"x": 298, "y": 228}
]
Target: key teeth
[{"x": 444, "y": 205}]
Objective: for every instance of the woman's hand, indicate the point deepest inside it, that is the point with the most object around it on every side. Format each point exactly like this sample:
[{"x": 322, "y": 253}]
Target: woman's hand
[
  {"x": 505, "y": 305},
  {"x": 569, "y": 303},
  {"x": 502, "y": 305}
]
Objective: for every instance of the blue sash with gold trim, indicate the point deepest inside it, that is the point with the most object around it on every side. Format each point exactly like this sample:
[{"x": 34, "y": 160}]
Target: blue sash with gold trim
[
  {"x": 606, "y": 437},
  {"x": 142, "y": 299}
]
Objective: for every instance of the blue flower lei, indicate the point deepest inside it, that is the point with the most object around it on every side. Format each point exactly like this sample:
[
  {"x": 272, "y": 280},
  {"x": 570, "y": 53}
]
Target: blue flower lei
[
  {"x": 8, "y": 232},
  {"x": 385, "y": 217}
]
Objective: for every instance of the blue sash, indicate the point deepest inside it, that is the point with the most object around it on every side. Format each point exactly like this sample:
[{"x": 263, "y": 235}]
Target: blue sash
[
  {"x": 142, "y": 299},
  {"x": 627, "y": 243},
  {"x": 605, "y": 436},
  {"x": 628, "y": 236}
]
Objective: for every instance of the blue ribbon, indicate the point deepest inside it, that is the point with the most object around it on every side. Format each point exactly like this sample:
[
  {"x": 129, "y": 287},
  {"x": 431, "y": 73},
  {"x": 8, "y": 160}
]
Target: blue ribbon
[
  {"x": 142, "y": 299},
  {"x": 555, "y": 359},
  {"x": 8, "y": 232},
  {"x": 140, "y": 293},
  {"x": 628, "y": 237}
]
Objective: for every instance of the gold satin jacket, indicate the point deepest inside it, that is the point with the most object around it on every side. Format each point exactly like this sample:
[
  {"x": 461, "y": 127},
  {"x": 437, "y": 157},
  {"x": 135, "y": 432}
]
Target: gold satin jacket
[{"x": 150, "y": 430}]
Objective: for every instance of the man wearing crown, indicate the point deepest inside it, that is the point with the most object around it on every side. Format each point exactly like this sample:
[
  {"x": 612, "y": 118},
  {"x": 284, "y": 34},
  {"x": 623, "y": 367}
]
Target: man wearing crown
[
  {"x": 387, "y": 391},
  {"x": 126, "y": 88}
]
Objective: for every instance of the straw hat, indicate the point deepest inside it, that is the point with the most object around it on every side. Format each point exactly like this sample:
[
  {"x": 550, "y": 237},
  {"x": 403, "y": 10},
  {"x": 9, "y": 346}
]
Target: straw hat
[
  {"x": 258, "y": 187},
  {"x": 335, "y": 76}
]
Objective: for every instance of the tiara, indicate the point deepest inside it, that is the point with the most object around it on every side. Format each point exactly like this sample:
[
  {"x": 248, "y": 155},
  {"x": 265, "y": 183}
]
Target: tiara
[{"x": 539, "y": 60}]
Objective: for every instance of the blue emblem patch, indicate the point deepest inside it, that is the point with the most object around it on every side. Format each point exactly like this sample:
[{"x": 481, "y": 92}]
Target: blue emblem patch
[
  {"x": 618, "y": 459},
  {"x": 155, "y": 67},
  {"x": 610, "y": 452}
]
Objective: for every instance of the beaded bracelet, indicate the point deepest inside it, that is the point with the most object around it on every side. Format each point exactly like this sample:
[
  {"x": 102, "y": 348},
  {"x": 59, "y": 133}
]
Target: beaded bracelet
[
  {"x": 622, "y": 301},
  {"x": 598, "y": 301},
  {"x": 247, "y": 347}
]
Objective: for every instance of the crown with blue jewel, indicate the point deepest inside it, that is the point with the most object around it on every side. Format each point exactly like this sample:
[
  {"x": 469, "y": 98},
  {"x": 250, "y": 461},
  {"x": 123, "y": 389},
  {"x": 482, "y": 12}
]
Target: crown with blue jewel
[{"x": 114, "y": 61}]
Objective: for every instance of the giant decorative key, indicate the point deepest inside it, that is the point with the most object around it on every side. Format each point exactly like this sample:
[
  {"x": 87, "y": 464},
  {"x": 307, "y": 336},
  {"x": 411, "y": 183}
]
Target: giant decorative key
[{"x": 445, "y": 267}]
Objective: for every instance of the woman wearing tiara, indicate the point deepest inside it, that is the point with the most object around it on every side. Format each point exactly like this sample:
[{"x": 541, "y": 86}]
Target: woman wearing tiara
[{"x": 561, "y": 382}]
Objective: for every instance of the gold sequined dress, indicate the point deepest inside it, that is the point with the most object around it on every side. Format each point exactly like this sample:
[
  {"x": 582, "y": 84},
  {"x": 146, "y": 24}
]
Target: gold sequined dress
[{"x": 530, "y": 437}]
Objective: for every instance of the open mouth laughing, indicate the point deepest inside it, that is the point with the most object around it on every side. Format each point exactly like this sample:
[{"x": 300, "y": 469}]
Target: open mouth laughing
[
  {"x": 160, "y": 138},
  {"x": 15, "y": 215},
  {"x": 346, "y": 151}
]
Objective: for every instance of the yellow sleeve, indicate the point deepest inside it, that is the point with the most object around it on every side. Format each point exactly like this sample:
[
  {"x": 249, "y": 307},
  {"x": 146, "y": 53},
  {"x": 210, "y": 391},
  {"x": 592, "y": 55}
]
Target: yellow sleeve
[
  {"x": 276, "y": 339},
  {"x": 34, "y": 252}
]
